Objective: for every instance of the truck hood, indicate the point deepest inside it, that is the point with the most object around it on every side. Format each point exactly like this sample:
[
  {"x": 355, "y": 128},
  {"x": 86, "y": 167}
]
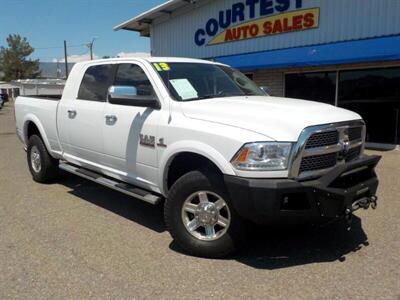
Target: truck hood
[{"x": 280, "y": 119}]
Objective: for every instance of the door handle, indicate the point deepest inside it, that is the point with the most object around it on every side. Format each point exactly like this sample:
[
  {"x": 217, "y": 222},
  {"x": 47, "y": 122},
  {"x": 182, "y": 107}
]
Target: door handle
[
  {"x": 111, "y": 119},
  {"x": 71, "y": 113}
]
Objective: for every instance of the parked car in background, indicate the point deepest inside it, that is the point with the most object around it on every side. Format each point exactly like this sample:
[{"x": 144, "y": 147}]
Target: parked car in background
[
  {"x": 205, "y": 140},
  {"x": 4, "y": 97},
  {"x": 1, "y": 101}
]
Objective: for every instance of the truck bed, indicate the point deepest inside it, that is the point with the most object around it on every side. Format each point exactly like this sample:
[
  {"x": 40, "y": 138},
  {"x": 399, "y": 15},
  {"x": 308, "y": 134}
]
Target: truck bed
[
  {"x": 45, "y": 97},
  {"x": 42, "y": 110}
]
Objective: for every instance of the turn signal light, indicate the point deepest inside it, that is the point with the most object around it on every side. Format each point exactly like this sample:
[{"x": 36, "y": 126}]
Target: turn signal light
[{"x": 243, "y": 155}]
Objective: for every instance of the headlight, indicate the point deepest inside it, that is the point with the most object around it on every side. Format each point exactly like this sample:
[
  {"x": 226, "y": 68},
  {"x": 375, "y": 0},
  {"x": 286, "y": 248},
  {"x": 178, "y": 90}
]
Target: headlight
[{"x": 262, "y": 156}]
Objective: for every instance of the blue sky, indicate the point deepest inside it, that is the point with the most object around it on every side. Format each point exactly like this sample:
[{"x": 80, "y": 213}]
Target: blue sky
[{"x": 46, "y": 23}]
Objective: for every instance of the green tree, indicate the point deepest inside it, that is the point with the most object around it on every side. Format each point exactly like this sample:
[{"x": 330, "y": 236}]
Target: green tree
[{"x": 14, "y": 61}]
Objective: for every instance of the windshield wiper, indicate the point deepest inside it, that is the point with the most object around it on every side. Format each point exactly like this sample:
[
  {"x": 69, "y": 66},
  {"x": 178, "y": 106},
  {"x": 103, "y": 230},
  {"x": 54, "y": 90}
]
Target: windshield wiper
[
  {"x": 220, "y": 95},
  {"x": 209, "y": 96}
]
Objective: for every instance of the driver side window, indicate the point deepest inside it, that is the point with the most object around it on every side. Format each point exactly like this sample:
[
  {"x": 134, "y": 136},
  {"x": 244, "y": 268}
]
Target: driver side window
[{"x": 133, "y": 76}]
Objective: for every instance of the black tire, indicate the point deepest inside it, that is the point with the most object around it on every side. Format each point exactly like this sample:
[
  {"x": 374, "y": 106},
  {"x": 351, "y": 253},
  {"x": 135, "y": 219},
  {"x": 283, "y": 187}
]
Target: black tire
[
  {"x": 48, "y": 165},
  {"x": 190, "y": 183}
]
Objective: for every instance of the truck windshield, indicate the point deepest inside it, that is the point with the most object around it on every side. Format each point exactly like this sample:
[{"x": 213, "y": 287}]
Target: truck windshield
[{"x": 195, "y": 81}]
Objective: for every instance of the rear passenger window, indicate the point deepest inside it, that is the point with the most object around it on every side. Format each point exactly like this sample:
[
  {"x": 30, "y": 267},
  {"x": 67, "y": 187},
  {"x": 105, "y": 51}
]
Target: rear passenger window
[
  {"x": 133, "y": 75},
  {"x": 95, "y": 83}
]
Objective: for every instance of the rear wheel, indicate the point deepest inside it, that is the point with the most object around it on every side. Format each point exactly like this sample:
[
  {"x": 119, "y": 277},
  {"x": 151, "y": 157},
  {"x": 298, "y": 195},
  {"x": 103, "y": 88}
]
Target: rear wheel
[
  {"x": 200, "y": 217},
  {"x": 42, "y": 166}
]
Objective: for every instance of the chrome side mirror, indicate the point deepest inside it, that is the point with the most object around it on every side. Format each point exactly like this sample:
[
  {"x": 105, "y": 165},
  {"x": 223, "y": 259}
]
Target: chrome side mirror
[
  {"x": 128, "y": 95},
  {"x": 122, "y": 91}
]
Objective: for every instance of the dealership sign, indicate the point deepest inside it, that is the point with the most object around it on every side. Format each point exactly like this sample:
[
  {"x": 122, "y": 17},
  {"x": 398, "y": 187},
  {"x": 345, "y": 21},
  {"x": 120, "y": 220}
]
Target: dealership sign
[{"x": 275, "y": 18}]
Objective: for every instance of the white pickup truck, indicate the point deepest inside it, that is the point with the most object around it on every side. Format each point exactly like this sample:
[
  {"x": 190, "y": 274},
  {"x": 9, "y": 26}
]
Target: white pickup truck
[{"x": 206, "y": 141}]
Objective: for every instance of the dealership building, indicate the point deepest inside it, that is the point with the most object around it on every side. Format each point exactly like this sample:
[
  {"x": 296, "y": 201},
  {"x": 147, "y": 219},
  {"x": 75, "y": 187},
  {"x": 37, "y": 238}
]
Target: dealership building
[{"x": 342, "y": 52}]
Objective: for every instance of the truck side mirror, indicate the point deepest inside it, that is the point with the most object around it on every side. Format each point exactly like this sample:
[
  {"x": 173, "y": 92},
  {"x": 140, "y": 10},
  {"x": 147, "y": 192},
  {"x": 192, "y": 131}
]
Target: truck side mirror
[{"x": 128, "y": 95}]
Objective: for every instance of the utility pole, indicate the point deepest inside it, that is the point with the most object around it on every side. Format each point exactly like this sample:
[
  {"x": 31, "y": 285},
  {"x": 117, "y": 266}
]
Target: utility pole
[
  {"x": 66, "y": 59},
  {"x": 90, "y": 46}
]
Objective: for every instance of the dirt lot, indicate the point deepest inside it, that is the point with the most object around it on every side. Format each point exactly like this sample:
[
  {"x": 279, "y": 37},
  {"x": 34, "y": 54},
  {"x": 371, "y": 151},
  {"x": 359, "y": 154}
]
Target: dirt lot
[{"x": 74, "y": 239}]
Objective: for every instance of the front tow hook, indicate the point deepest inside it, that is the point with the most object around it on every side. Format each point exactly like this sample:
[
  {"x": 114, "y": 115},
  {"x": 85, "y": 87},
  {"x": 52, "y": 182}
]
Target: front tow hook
[{"x": 364, "y": 203}]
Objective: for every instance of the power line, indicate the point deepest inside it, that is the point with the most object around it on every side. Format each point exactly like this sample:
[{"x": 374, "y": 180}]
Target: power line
[
  {"x": 58, "y": 57},
  {"x": 60, "y": 47}
]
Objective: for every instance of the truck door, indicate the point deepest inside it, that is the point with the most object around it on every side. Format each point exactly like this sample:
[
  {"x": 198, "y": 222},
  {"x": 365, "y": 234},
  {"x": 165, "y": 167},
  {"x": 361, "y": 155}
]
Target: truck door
[
  {"x": 130, "y": 132},
  {"x": 82, "y": 118}
]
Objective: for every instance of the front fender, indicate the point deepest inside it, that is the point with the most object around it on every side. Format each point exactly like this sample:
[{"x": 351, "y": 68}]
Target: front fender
[{"x": 194, "y": 147}]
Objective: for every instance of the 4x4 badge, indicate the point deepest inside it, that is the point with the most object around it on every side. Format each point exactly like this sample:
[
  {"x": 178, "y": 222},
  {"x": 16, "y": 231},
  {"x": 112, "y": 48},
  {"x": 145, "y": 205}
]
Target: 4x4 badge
[
  {"x": 161, "y": 143},
  {"x": 150, "y": 141}
]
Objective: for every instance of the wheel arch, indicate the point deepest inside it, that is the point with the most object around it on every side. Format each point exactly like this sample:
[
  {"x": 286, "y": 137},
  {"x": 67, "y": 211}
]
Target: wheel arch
[
  {"x": 33, "y": 125},
  {"x": 188, "y": 151}
]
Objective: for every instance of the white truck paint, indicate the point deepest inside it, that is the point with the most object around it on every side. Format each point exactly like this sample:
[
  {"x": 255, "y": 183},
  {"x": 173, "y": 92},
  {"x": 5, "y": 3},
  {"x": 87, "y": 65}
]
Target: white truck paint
[{"x": 105, "y": 138}]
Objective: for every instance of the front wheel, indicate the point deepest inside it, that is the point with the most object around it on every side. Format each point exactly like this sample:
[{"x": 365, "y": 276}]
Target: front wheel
[{"x": 200, "y": 217}]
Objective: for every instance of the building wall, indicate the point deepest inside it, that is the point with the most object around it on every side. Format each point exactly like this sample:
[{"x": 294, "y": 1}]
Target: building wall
[
  {"x": 275, "y": 79},
  {"x": 339, "y": 20}
]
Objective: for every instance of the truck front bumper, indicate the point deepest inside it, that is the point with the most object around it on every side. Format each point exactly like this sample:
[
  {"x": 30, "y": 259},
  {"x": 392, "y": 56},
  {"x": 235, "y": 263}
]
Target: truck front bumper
[{"x": 338, "y": 193}]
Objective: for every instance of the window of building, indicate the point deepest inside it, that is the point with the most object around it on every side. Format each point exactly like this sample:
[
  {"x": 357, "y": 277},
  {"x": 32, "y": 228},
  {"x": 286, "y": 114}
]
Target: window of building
[
  {"x": 375, "y": 95},
  {"x": 16, "y": 92},
  {"x": 133, "y": 75},
  {"x": 95, "y": 83},
  {"x": 249, "y": 75},
  {"x": 316, "y": 86}
]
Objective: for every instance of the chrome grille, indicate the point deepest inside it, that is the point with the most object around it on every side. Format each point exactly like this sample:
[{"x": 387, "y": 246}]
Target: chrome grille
[
  {"x": 322, "y": 147},
  {"x": 353, "y": 154},
  {"x": 354, "y": 133},
  {"x": 322, "y": 139}
]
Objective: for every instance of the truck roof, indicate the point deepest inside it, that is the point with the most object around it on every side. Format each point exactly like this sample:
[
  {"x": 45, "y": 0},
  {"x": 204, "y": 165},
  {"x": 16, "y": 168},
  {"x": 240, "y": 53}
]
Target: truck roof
[{"x": 149, "y": 59}]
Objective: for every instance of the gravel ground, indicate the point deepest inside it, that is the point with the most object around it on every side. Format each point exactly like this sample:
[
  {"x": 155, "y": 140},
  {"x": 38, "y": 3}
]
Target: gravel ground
[{"x": 74, "y": 239}]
